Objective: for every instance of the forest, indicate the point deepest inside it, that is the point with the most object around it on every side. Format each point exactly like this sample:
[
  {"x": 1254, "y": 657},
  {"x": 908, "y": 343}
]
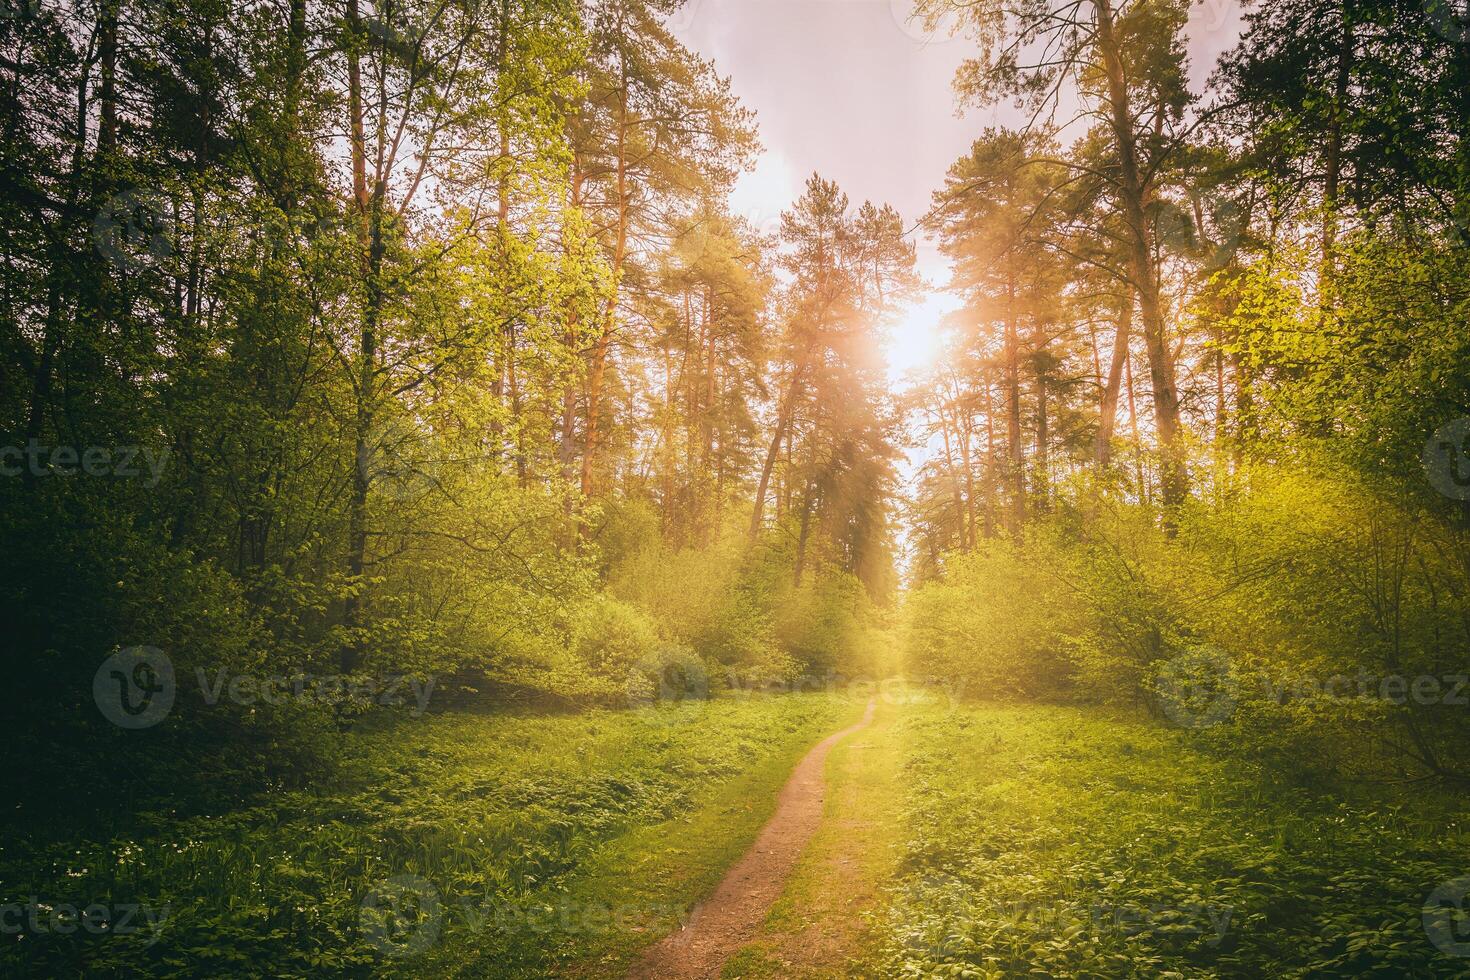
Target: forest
[{"x": 439, "y": 518}]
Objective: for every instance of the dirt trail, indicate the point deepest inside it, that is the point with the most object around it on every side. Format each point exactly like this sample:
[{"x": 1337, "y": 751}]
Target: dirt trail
[{"x": 730, "y": 917}]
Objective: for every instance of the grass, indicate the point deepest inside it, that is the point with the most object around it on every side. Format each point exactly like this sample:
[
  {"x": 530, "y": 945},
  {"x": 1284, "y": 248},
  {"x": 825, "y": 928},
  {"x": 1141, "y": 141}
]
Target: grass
[
  {"x": 958, "y": 841},
  {"x": 489, "y": 846},
  {"x": 1064, "y": 843}
]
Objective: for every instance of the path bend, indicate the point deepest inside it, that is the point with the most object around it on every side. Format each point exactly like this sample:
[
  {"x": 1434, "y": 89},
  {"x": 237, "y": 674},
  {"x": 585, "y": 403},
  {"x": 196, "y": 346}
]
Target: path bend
[{"x": 731, "y": 916}]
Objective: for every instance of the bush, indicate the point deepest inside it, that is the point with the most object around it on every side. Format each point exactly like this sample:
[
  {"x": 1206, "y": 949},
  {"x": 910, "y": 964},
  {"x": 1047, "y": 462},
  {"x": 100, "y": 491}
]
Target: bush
[
  {"x": 1293, "y": 575},
  {"x": 997, "y": 621}
]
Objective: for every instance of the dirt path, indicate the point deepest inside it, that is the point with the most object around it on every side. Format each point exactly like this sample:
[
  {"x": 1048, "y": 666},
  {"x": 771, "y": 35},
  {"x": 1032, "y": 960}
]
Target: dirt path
[
  {"x": 822, "y": 928},
  {"x": 732, "y": 915}
]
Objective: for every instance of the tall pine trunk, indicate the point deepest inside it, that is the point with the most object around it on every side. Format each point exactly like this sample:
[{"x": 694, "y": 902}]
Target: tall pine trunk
[
  {"x": 1133, "y": 192},
  {"x": 1107, "y": 420}
]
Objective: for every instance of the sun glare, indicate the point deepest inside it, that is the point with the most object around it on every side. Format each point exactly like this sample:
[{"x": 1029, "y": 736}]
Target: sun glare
[{"x": 916, "y": 341}]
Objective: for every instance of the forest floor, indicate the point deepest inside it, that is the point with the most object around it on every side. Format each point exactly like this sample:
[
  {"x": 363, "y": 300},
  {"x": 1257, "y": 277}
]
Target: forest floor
[
  {"x": 823, "y": 924},
  {"x": 994, "y": 841},
  {"x": 948, "y": 840}
]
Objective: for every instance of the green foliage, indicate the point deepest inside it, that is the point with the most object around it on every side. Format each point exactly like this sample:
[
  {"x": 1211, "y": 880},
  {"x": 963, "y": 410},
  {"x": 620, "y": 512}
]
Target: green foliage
[
  {"x": 741, "y": 610},
  {"x": 1375, "y": 378},
  {"x": 1059, "y": 842},
  {"x": 824, "y": 624},
  {"x": 503, "y": 815},
  {"x": 1270, "y": 622},
  {"x": 997, "y": 620},
  {"x": 702, "y": 597},
  {"x": 611, "y": 641}
]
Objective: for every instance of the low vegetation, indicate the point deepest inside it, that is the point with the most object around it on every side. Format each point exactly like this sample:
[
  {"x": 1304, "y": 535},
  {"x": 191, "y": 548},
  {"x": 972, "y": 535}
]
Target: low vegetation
[
  {"x": 500, "y": 822},
  {"x": 1063, "y": 842}
]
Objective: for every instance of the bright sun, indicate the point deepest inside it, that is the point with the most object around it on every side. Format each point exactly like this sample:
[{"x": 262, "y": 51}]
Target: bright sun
[{"x": 917, "y": 340}]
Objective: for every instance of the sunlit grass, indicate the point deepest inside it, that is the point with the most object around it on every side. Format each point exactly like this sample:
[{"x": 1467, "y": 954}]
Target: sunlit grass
[
  {"x": 547, "y": 839},
  {"x": 1057, "y": 842}
]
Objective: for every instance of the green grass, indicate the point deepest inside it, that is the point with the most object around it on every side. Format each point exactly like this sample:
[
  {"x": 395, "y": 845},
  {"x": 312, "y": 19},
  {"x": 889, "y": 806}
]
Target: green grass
[
  {"x": 1063, "y": 843},
  {"x": 563, "y": 843},
  {"x": 978, "y": 841}
]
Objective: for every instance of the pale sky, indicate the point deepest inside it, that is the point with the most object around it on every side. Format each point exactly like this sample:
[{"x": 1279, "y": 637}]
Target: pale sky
[{"x": 857, "y": 92}]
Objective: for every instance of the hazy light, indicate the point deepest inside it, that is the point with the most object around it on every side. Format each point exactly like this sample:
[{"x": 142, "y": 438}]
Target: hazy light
[{"x": 916, "y": 341}]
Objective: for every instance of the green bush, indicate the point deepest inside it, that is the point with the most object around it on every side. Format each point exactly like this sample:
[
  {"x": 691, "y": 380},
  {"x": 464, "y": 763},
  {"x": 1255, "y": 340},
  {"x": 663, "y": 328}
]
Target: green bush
[{"x": 1287, "y": 577}]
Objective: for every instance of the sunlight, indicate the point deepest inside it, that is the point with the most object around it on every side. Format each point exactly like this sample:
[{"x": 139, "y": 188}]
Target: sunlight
[
  {"x": 916, "y": 341},
  {"x": 763, "y": 192}
]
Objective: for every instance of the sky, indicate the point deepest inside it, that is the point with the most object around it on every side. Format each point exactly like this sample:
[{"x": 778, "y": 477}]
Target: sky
[{"x": 855, "y": 90}]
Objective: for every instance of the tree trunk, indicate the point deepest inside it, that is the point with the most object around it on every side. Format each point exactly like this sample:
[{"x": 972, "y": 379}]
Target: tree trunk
[
  {"x": 783, "y": 420},
  {"x": 107, "y": 77},
  {"x": 954, "y": 478},
  {"x": 1133, "y": 194},
  {"x": 1016, "y": 451},
  {"x": 609, "y": 322},
  {"x": 369, "y": 236},
  {"x": 1043, "y": 419},
  {"x": 1143, "y": 487},
  {"x": 966, "y": 431},
  {"x": 804, "y": 535},
  {"x": 990, "y": 518},
  {"x": 1332, "y": 180},
  {"x": 1108, "y": 411},
  {"x": 567, "y": 444}
]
